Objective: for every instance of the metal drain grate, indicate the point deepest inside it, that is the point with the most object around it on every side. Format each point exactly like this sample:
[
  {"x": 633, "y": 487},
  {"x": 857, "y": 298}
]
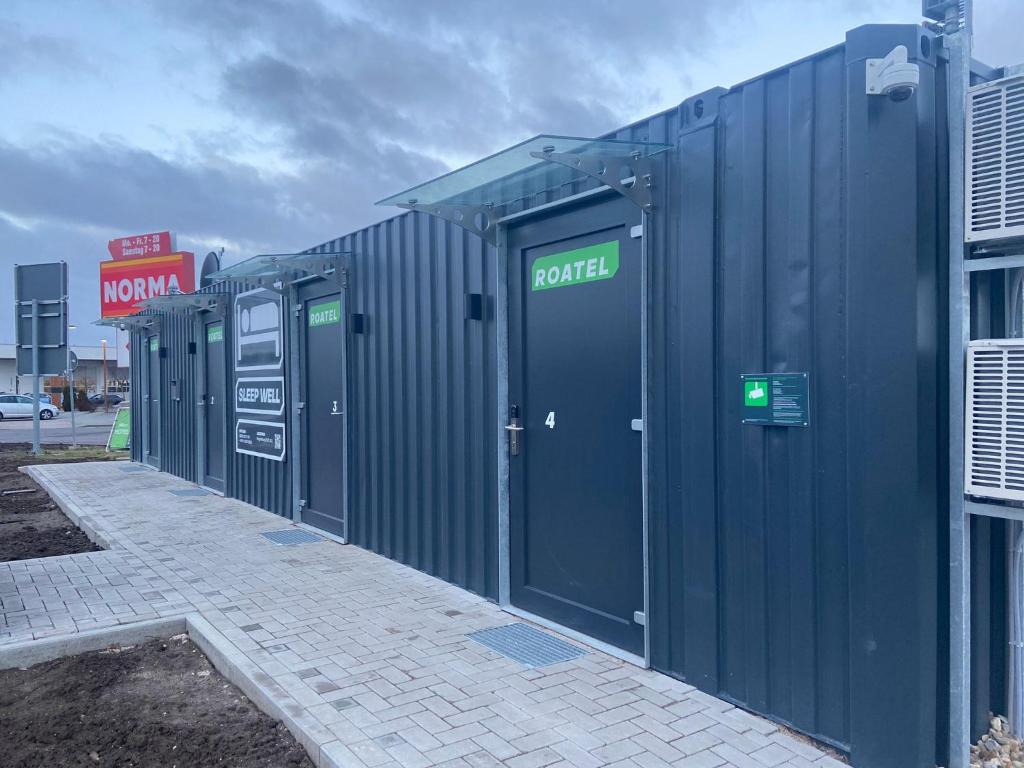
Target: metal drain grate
[
  {"x": 191, "y": 492},
  {"x": 527, "y": 645},
  {"x": 132, "y": 468},
  {"x": 291, "y": 536}
]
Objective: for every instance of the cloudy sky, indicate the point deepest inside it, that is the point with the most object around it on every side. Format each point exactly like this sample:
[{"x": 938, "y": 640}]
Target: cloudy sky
[{"x": 273, "y": 125}]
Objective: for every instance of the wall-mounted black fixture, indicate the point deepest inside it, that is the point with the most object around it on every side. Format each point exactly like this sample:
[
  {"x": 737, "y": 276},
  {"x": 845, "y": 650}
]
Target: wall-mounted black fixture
[
  {"x": 191, "y": 347},
  {"x": 474, "y": 306},
  {"x": 163, "y": 353},
  {"x": 358, "y": 322}
]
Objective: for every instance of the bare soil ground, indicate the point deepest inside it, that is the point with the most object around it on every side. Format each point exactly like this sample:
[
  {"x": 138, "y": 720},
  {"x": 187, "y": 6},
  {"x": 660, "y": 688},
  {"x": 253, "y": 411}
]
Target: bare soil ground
[
  {"x": 157, "y": 704},
  {"x": 31, "y": 525}
]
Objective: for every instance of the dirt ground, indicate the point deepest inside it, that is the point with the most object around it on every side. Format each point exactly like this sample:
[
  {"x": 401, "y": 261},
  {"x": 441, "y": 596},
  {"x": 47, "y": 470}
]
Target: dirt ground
[
  {"x": 157, "y": 704},
  {"x": 31, "y": 525}
]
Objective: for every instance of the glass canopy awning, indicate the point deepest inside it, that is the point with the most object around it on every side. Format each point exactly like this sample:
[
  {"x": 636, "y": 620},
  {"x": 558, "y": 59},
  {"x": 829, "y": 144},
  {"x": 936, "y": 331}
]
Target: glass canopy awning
[
  {"x": 475, "y": 196},
  {"x": 185, "y": 302},
  {"x": 279, "y": 269},
  {"x": 129, "y": 322}
]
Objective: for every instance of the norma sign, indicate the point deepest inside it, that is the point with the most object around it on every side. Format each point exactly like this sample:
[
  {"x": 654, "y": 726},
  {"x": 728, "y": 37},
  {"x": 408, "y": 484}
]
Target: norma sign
[
  {"x": 44, "y": 286},
  {"x": 775, "y": 399},
  {"x": 140, "y": 246},
  {"x": 258, "y": 329},
  {"x": 126, "y": 282}
]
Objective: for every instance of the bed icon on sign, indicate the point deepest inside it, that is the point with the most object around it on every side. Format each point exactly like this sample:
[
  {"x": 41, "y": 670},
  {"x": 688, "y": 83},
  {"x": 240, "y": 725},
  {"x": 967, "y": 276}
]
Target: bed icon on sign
[
  {"x": 755, "y": 394},
  {"x": 258, "y": 339}
]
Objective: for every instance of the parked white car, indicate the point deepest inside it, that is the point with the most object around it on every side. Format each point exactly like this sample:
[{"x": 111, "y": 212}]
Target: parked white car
[{"x": 20, "y": 406}]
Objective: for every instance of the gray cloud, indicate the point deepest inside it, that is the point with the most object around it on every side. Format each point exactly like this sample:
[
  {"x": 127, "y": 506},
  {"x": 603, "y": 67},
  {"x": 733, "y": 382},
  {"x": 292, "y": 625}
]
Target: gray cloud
[{"x": 33, "y": 53}]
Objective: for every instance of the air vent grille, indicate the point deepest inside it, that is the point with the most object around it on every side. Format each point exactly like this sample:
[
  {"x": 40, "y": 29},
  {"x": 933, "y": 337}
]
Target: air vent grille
[
  {"x": 995, "y": 160},
  {"x": 995, "y": 419}
]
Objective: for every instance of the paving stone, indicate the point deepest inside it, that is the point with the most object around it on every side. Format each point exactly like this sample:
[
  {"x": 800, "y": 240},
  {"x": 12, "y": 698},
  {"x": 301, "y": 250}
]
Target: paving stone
[{"x": 374, "y": 654}]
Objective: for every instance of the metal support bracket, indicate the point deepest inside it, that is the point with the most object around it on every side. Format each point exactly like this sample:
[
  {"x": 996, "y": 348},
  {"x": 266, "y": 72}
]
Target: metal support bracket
[
  {"x": 481, "y": 220},
  {"x": 632, "y": 177}
]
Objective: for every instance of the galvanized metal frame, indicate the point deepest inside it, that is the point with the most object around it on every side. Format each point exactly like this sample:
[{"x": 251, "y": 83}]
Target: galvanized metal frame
[
  {"x": 957, "y": 41},
  {"x": 502, "y": 401}
]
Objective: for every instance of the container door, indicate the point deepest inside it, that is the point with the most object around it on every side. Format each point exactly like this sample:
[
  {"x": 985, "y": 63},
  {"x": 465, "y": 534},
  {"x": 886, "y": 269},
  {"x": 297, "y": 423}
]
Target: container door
[
  {"x": 213, "y": 399},
  {"x": 151, "y": 454},
  {"x": 576, "y": 504},
  {"x": 323, "y": 384}
]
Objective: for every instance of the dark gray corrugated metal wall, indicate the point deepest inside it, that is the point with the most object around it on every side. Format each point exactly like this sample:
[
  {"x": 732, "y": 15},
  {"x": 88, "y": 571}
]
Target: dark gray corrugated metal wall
[
  {"x": 422, "y": 410},
  {"x": 795, "y": 570},
  {"x": 263, "y": 483}
]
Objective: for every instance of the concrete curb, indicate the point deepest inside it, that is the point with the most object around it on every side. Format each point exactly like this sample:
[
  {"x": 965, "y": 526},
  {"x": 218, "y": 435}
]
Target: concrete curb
[
  {"x": 243, "y": 672},
  {"x": 68, "y": 507},
  {"x": 31, "y": 652}
]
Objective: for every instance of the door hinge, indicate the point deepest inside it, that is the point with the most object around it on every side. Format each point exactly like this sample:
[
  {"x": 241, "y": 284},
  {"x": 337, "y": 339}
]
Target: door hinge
[
  {"x": 302, "y": 504},
  {"x": 637, "y": 425},
  {"x": 637, "y": 231},
  {"x": 299, "y": 406},
  {"x": 639, "y": 617},
  {"x": 297, "y": 310}
]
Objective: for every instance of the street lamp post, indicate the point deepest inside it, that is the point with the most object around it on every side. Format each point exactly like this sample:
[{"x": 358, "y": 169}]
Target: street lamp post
[{"x": 106, "y": 400}]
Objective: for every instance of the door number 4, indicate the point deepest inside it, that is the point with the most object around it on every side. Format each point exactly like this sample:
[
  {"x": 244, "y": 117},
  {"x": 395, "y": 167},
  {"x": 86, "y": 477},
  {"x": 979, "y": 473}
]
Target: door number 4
[{"x": 550, "y": 420}]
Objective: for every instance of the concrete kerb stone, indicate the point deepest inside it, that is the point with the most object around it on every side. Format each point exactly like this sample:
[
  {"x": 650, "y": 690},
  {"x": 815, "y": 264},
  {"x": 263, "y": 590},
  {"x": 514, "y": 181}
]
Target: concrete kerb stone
[
  {"x": 31, "y": 652},
  {"x": 266, "y": 694},
  {"x": 68, "y": 507}
]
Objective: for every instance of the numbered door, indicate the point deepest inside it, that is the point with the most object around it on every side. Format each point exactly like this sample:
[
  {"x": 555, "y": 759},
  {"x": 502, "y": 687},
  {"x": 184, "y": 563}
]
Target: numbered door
[
  {"x": 151, "y": 453},
  {"x": 323, "y": 397},
  {"x": 212, "y": 400},
  {"x": 576, "y": 505}
]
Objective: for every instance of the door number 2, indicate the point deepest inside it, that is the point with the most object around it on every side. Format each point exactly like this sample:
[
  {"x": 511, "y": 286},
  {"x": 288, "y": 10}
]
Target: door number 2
[{"x": 550, "y": 420}]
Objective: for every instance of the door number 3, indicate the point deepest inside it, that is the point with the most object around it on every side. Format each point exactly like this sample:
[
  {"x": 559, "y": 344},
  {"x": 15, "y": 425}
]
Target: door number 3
[
  {"x": 334, "y": 406},
  {"x": 550, "y": 420}
]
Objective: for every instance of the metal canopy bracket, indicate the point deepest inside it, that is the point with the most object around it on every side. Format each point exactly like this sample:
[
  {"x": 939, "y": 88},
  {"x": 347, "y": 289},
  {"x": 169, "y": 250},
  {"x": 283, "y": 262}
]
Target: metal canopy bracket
[
  {"x": 481, "y": 220},
  {"x": 130, "y": 322},
  {"x": 187, "y": 303},
  {"x": 632, "y": 177}
]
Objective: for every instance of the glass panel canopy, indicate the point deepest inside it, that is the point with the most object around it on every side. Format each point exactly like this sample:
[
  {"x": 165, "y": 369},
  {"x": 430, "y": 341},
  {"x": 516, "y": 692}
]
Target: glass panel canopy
[
  {"x": 514, "y": 173},
  {"x": 275, "y": 265},
  {"x": 181, "y": 301}
]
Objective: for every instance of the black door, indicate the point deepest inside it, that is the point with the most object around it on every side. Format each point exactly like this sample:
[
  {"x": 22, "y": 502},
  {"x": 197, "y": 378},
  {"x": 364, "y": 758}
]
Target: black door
[
  {"x": 213, "y": 400},
  {"x": 576, "y": 506},
  {"x": 152, "y": 452},
  {"x": 323, "y": 382}
]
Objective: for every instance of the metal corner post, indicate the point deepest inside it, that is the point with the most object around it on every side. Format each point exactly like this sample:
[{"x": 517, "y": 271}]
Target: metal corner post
[{"x": 958, "y": 43}]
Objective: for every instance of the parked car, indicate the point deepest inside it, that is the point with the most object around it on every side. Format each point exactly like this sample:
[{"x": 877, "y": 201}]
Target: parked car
[
  {"x": 112, "y": 397},
  {"x": 20, "y": 406}
]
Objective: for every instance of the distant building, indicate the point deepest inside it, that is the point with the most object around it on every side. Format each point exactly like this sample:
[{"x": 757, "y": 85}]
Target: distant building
[{"x": 88, "y": 376}]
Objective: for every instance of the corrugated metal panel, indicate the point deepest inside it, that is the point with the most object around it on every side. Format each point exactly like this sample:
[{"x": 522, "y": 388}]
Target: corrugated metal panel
[
  {"x": 423, "y": 399},
  {"x": 795, "y": 570}
]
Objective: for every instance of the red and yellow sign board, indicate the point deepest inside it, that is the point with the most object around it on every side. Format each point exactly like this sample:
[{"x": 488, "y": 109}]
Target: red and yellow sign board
[
  {"x": 140, "y": 246},
  {"x": 126, "y": 282}
]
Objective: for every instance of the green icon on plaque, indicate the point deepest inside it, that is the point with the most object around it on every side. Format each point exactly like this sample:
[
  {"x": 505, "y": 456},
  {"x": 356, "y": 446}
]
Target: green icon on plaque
[{"x": 755, "y": 393}]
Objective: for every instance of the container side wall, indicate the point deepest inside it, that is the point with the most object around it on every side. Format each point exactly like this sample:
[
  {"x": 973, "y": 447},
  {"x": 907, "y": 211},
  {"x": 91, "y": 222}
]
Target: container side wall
[{"x": 422, "y": 394}]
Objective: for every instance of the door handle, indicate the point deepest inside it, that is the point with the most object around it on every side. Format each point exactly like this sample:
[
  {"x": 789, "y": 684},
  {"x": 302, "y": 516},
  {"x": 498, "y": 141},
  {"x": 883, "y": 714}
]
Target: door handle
[{"x": 513, "y": 430}]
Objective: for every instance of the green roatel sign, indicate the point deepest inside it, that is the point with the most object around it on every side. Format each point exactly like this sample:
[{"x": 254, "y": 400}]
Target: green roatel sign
[
  {"x": 214, "y": 333},
  {"x": 327, "y": 313},
  {"x": 581, "y": 265}
]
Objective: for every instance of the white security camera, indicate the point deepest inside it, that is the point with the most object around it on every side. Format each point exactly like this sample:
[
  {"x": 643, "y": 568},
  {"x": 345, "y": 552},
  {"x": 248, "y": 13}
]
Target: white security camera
[{"x": 892, "y": 76}]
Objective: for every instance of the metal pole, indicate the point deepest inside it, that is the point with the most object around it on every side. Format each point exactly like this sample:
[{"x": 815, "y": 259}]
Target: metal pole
[
  {"x": 35, "y": 378},
  {"x": 71, "y": 396},
  {"x": 106, "y": 400},
  {"x": 957, "y": 40}
]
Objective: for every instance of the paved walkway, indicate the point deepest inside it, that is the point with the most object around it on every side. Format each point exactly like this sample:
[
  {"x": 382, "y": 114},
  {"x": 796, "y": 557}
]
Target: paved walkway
[{"x": 375, "y": 652}]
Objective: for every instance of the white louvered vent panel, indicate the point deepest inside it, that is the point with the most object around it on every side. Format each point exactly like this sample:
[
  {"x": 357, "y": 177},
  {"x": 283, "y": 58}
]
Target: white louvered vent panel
[
  {"x": 995, "y": 160},
  {"x": 994, "y": 460}
]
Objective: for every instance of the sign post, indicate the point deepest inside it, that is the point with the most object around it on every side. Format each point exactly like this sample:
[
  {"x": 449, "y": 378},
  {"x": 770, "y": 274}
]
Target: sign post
[
  {"x": 35, "y": 378},
  {"x": 41, "y": 327}
]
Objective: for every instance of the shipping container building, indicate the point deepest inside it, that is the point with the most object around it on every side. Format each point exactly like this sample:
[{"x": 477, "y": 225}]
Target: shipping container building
[{"x": 679, "y": 392}]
